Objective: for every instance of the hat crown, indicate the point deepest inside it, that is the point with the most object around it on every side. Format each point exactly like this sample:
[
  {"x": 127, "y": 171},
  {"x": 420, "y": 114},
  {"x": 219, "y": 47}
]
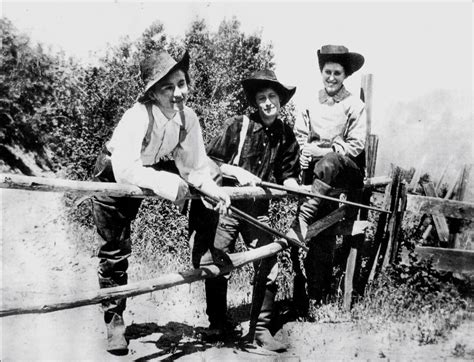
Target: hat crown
[
  {"x": 340, "y": 54},
  {"x": 334, "y": 49},
  {"x": 264, "y": 74},
  {"x": 266, "y": 78},
  {"x": 155, "y": 64}
]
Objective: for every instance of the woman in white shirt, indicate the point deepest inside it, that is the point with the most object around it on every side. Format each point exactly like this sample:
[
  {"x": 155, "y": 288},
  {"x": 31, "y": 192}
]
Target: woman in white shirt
[
  {"x": 157, "y": 125},
  {"x": 332, "y": 138}
]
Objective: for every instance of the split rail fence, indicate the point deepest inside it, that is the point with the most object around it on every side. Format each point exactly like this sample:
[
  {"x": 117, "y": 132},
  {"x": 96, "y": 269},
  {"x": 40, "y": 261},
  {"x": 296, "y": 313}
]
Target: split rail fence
[{"x": 163, "y": 282}]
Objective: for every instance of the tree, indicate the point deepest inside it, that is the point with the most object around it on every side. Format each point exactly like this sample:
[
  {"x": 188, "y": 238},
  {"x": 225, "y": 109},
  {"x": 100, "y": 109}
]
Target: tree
[{"x": 220, "y": 61}]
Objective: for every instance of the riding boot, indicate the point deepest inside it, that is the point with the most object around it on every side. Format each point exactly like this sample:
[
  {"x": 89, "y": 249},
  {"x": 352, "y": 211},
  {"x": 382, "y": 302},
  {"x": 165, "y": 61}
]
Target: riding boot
[
  {"x": 220, "y": 326},
  {"x": 259, "y": 330},
  {"x": 300, "y": 297},
  {"x": 307, "y": 211},
  {"x": 113, "y": 316},
  {"x": 305, "y": 216},
  {"x": 116, "y": 341}
]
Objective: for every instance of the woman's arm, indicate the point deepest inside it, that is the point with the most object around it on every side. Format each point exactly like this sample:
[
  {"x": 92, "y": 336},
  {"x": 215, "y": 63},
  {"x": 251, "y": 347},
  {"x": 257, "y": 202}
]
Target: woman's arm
[{"x": 126, "y": 145}]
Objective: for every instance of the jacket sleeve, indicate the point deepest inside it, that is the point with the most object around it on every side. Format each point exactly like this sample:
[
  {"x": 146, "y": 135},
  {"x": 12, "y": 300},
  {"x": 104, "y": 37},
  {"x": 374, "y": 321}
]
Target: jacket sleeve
[
  {"x": 301, "y": 129},
  {"x": 287, "y": 163},
  {"x": 352, "y": 142},
  {"x": 223, "y": 147}
]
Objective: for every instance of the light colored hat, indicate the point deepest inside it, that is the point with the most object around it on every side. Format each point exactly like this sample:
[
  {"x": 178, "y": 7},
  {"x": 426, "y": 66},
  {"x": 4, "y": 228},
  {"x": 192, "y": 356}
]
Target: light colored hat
[
  {"x": 159, "y": 64},
  {"x": 266, "y": 78},
  {"x": 351, "y": 62}
]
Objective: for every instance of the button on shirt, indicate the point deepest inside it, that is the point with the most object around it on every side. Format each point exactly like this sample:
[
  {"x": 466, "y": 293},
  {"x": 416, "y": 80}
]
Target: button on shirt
[
  {"x": 129, "y": 161},
  {"x": 338, "y": 122}
]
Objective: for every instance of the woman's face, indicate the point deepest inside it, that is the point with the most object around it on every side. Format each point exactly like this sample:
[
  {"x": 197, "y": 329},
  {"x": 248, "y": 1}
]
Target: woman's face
[
  {"x": 333, "y": 77},
  {"x": 268, "y": 103},
  {"x": 170, "y": 92}
]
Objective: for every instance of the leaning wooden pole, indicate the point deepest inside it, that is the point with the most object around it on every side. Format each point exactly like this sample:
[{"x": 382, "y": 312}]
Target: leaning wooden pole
[{"x": 236, "y": 260}]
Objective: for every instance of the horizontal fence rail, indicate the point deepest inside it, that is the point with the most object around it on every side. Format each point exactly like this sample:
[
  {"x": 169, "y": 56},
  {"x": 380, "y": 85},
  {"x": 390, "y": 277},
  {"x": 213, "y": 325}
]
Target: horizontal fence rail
[
  {"x": 454, "y": 260},
  {"x": 31, "y": 183},
  {"x": 437, "y": 206},
  {"x": 236, "y": 260}
]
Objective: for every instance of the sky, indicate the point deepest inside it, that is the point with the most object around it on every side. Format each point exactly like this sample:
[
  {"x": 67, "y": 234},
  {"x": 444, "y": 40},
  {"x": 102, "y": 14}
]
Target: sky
[{"x": 420, "y": 55}]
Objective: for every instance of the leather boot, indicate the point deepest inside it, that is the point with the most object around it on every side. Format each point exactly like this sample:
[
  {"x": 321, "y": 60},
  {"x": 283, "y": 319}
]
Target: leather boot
[
  {"x": 220, "y": 326},
  {"x": 113, "y": 311},
  {"x": 259, "y": 331},
  {"x": 300, "y": 297},
  {"x": 116, "y": 342},
  {"x": 307, "y": 211},
  {"x": 305, "y": 216}
]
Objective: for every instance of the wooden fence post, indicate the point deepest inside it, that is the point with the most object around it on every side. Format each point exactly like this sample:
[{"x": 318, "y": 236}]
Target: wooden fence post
[{"x": 381, "y": 231}]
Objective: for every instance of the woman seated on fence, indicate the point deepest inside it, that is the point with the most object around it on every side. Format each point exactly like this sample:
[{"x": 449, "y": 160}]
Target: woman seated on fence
[
  {"x": 332, "y": 151},
  {"x": 158, "y": 124}
]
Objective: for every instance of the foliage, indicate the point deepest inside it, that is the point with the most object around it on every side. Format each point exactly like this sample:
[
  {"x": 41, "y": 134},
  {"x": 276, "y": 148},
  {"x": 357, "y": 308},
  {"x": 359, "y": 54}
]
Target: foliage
[
  {"x": 220, "y": 61},
  {"x": 412, "y": 294},
  {"x": 28, "y": 79}
]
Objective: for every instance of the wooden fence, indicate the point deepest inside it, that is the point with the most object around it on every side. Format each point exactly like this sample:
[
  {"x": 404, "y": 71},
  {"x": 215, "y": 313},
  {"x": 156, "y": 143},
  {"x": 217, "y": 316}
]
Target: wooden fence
[
  {"x": 451, "y": 251},
  {"x": 29, "y": 183}
]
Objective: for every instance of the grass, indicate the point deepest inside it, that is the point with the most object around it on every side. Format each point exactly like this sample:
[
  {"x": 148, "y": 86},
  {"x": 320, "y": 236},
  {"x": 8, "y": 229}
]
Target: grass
[{"x": 405, "y": 312}]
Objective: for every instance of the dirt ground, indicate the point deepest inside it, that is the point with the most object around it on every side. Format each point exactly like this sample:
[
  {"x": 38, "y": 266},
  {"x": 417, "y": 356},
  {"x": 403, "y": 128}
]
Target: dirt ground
[{"x": 42, "y": 262}]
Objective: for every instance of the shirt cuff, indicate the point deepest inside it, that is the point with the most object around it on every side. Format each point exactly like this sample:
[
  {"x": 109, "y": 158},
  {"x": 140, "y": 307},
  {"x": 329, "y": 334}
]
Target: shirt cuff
[
  {"x": 166, "y": 185},
  {"x": 338, "y": 148}
]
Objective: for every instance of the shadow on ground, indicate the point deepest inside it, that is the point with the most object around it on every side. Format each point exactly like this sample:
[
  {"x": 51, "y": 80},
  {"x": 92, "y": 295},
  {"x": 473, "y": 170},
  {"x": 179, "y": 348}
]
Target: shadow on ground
[{"x": 175, "y": 340}]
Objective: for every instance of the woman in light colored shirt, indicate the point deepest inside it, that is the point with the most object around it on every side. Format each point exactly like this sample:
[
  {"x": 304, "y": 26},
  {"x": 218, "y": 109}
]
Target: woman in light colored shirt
[
  {"x": 332, "y": 137},
  {"x": 157, "y": 125}
]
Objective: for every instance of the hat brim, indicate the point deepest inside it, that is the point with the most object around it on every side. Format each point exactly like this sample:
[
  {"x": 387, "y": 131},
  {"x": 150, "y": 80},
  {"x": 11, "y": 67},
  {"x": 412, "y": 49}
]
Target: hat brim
[
  {"x": 182, "y": 64},
  {"x": 252, "y": 86},
  {"x": 351, "y": 62}
]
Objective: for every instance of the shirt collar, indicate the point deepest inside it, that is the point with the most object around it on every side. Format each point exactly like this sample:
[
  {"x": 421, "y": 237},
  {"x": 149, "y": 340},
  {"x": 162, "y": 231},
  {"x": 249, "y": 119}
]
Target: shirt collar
[
  {"x": 160, "y": 118},
  {"x": 342, "y": 94},
  {"x": 259, "y": 123}
]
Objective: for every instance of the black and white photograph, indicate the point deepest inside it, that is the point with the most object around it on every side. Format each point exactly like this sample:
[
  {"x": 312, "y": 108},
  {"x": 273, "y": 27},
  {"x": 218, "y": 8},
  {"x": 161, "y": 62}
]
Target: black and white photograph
[{"x": 236, "y": 180}]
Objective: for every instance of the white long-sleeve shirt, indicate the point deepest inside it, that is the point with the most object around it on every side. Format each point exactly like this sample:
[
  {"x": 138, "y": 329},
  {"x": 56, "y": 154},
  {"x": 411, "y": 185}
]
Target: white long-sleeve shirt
[
  {"x": 129, "y": 160},
  {"x": 339, "y": 122}
]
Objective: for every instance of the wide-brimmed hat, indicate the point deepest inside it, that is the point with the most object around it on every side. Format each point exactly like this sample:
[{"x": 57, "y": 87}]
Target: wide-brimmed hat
[
  {"x": 351, "y": 61},
  {"x": 159, "y": 64},
  {"x": 263, "y": 79}
]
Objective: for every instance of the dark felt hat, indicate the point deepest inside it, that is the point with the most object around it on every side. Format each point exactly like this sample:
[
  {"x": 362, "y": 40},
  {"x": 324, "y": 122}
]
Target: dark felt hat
[
  {"x": 351, "y": 62},
  {"x": 266, "y": 78},
  {"x": 159, "y": 64}
]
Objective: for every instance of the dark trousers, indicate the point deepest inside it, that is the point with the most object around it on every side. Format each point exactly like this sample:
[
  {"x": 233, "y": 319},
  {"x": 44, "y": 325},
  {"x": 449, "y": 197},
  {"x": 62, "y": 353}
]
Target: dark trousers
[
  {"x": 219, "y": 235},
  {"x": 113, "y": 217},
  {"x": 339, "y": 172}
]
